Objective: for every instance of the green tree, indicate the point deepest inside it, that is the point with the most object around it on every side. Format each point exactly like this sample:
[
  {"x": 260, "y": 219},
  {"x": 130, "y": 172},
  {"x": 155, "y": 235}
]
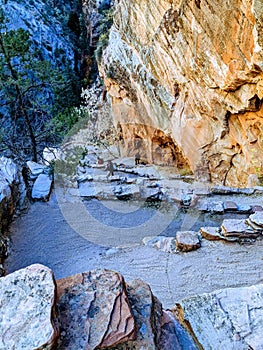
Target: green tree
[{"x": 31, "y": 91}]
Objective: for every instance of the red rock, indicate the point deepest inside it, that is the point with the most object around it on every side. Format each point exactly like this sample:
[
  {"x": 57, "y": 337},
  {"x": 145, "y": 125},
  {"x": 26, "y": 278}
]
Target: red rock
[{"x": 94, "y": 311}]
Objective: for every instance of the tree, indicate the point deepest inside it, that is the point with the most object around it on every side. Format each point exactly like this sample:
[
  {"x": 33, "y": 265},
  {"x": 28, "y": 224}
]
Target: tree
[{"x": 31, "y": 91}]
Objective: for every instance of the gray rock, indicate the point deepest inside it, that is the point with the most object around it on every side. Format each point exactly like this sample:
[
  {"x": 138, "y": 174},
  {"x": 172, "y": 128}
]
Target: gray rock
[
  {"x": 84, "y": 177},
  {"x": 12, "y": 191},
  {"x": 94, "y": 311},
  {"x": 149, "y": 193},
  {"x": 257, "y": 218},
  {"x": 187, "y": 241},
  {"x": 27, "y": 319},
  {"x": 8, "y": 170},
  {"x": 254, "y": 226},
  {"x": 42, "y": 187},
  {"x": 224, "y": 190},
  {"x": 35, "y": 168},
  {"x": 216, "y": 207},
  {"x": 231, "y": 318},
  {"x": 237, "y": 228},
  {"x": 173, "y": 335},
  {"x": 247, "y": 191},
  {"x": 166, "y": 244},
  {"x": 244, "y": 208},
  {"x": 127, "y": 191},
  {"x": 92, "y": 189},
  {"x": 230, "y": 206},
  {"x": 147, "y": 311}
]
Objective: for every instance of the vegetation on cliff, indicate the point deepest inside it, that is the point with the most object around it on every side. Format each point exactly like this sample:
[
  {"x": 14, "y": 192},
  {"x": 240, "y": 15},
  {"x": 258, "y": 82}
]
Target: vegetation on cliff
[{"x": 40, "y": 83}]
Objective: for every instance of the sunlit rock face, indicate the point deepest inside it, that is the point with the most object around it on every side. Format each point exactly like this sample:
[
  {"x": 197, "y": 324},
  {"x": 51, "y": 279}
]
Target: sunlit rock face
[{"x": 190, "y": 71}]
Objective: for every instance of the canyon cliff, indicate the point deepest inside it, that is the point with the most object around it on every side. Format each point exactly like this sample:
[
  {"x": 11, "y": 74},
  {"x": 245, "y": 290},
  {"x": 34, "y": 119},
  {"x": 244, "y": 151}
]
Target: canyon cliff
[{"x": 184, "y": 79}]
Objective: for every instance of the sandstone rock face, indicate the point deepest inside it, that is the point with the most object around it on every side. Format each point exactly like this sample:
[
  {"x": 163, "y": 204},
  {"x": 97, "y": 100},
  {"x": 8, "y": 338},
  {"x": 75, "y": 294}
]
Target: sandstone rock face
[
  {"x": 231, "y": 318},
  {"x": 27, "y": 299},
  {"x": 186, "y": 87},
  {"x": 94, "y": 311}
]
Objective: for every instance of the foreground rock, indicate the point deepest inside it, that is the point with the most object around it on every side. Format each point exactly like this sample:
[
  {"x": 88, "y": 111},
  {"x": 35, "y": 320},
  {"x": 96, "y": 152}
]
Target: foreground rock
[
  {"x": 27, "y": 319},
  {"x": 231, "y": 318},
  {"x": 99, "y": 310},
  {"x": 94, "y": 311}
]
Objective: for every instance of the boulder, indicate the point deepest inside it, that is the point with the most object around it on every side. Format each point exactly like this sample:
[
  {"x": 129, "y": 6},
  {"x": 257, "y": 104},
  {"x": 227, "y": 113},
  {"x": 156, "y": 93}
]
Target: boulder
[
  {"x": 187, "y": 241},
  {"x": 28, "y": 319},
  {"x": 231, "y": 318},
  {"x": 94, "y": 311},
  {"x": 42, "y": 187}
]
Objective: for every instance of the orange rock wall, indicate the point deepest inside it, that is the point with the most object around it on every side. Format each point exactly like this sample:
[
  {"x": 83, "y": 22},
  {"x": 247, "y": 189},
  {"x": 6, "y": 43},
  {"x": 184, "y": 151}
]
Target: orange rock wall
[{"x": 191, "y": 70}]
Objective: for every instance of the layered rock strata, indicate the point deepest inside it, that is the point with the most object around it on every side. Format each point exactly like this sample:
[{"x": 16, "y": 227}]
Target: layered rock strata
[{"x": 185, "y": 81}]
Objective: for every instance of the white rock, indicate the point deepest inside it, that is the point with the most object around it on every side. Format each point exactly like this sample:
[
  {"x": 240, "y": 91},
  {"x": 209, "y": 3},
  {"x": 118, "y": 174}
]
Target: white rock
[
  {"x": 42, "y": 187},
  {"x": 27, "y": 299}
]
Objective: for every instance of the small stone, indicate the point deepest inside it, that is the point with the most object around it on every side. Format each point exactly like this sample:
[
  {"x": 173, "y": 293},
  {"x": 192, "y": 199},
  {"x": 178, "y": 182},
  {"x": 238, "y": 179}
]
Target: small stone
[
  {"x": 257, "y": 208},
  {"x": 210, "y": 233},
  {"x": 166, "y": 244},
  {"x": 216, "y": 207},
  {"x": 127, "y": 191},
  {"x": 230, "y": 206},
  {"x": 187, "y": 241},
  {"x": 244, "y": 208}
]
